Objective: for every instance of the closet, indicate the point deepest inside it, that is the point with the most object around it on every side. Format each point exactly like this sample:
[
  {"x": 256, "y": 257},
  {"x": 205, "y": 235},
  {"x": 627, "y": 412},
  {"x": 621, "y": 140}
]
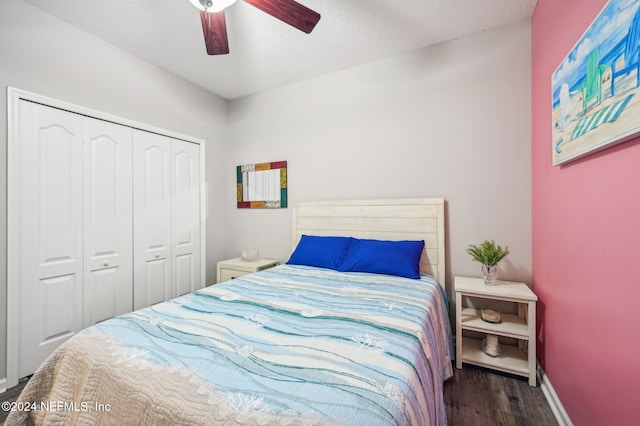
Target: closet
[
  {"x": 166, "y": 218},
  {"x": 104, "y": 217}
]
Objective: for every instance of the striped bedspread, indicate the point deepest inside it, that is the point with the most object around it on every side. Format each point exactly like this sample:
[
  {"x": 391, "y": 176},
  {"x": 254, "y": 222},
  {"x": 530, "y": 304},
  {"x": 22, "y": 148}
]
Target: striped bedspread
[{"x": 289, "y": 345}]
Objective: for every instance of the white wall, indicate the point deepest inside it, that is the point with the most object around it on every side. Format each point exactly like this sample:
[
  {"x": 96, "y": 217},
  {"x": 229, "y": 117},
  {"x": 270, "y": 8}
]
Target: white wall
[
  {"x": 451, "y": 120},
  {"x": 44, "y": 55}
]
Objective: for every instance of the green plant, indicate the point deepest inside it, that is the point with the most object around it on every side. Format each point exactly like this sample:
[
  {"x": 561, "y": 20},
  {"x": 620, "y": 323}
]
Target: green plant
[{"x": 488, "y": 253}]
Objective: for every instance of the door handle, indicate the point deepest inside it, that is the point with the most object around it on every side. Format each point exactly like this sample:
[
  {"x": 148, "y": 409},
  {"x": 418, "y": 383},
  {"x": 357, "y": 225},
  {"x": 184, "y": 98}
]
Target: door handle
[{"x": 106, "y": 263}]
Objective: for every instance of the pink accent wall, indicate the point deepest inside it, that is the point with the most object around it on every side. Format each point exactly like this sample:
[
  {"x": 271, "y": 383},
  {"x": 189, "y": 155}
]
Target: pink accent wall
[{"x": 586, "y": 246}]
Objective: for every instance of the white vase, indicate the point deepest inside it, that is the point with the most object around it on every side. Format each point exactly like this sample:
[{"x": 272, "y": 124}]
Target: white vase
[{"x": 489, "y": 274}]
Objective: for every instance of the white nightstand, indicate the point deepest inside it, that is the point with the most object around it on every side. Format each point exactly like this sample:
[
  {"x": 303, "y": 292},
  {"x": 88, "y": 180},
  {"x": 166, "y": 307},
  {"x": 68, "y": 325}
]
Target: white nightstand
[
  {"x": 520, "y": 359},
  {"x": 234, "y": 268}
]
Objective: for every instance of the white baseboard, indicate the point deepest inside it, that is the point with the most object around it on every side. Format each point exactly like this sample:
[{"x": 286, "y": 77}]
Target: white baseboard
[
  {"x": 552, "y": 398},
  {"x": 3, "y": 385}
]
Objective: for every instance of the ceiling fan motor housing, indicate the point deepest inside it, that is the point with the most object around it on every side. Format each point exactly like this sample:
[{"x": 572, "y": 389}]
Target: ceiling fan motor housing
[{"x": 206, "y": 3}]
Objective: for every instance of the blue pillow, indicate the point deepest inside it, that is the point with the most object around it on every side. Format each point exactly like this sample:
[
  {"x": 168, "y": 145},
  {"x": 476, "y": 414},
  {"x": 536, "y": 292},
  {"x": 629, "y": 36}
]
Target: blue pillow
[
  {"x": 322, "y": 252},
  {"x": 400, "y": 258}
]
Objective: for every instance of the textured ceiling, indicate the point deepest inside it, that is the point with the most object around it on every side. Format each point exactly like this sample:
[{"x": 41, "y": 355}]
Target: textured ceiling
[{"x": 265, "y": 52}]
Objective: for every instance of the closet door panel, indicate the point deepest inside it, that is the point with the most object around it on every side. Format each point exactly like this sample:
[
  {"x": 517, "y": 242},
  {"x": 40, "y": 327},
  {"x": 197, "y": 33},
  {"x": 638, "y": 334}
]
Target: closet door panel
[
  {"x": 108, "y": 222},
  {"x": 49, "y": 233},
  {"x": 185, "y": 188},
  {"x": 106, "y": 300},
  {"x": 57, "y": 291},
  {"x": 152, "y": 218},
  {"x": 158, "y": 280},
  {"x": 184, "y": 279}
]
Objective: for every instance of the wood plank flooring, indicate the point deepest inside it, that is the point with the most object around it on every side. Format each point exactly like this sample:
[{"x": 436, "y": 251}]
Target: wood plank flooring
[
  {"x": 11, "y": 395},
  {"x": 476, "y": 396},
  {"x": 473, "y": 396}
]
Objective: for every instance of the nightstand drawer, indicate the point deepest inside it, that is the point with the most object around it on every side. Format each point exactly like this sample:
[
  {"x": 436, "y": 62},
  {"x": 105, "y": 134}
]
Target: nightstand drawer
[
  {"x": 234, "y": 268},
  {"x": 229, "y": 274}
]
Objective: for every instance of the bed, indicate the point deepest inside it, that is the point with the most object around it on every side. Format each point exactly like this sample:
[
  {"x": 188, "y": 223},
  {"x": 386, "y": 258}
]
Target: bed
[{"x": 295, "y": 344}]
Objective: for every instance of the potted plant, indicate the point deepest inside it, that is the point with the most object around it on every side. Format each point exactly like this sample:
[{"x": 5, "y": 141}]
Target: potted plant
[{"x": 488, "y": 254}]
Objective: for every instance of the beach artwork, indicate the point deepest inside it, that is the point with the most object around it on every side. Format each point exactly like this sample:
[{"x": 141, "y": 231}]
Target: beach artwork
[{"x": 596, "y": 88}]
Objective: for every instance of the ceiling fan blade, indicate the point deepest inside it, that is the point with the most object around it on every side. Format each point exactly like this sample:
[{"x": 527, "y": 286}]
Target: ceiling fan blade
[
  {"x": 290, "y": 12},
  {"x": 214, "y": 28}
]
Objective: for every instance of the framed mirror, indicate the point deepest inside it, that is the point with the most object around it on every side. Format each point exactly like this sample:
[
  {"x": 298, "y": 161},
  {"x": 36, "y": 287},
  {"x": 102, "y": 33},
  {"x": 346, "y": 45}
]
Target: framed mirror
[{"x": 262, "y": 185}]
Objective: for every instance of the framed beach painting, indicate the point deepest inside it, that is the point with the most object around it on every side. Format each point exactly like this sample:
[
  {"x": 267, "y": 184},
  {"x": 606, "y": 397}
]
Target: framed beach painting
[{"x": 596, "y": 90}]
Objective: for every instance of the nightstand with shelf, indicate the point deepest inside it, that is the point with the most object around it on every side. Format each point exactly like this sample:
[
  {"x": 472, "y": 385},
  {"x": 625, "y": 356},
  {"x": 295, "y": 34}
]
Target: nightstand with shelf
[
  {"x": 234, "y": 268},
  {"x": 520, "y": 359}
]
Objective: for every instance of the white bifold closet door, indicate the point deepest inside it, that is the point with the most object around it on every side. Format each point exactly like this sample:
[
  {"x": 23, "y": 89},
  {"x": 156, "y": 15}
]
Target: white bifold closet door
[
  {"x": 75, "y": 227},
  {"x": 49, "y": 200},
  {"x": 186, "y": 223},
  {"x": 104, "y": 218},
  {"x": 152, "y": 218},
  {"x": 166, "y": 194},
  {"x": 108, "y": 220}
]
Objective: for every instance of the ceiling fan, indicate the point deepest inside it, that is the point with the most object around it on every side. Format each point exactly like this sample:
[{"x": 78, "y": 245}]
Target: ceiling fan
[{"x": 214, "y": 25}]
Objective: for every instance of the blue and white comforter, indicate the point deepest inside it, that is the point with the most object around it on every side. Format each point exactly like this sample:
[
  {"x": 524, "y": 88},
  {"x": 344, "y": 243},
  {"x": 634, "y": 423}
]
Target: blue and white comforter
[{"x": 289, "y": 345}]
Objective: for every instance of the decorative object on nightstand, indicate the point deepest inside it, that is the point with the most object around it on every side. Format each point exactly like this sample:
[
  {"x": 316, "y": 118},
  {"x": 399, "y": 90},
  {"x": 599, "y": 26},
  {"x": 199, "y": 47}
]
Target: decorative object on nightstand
[
  {"x": 490, "y": 315},
  {"x": 234, "y": 268},
  {"x": 490, "y": 345},
  {"x": 489, "y": 254},
  {"x": 485, "y": 350},
  {"x": 250, "y": 255}
]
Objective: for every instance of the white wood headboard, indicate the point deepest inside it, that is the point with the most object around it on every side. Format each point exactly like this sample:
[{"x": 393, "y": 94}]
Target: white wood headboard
[{"x": 393, "y": 219}]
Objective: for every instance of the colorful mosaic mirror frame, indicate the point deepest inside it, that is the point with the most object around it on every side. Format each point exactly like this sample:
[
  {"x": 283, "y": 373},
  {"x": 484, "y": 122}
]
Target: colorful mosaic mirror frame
[{"x": 248, "y": 174}]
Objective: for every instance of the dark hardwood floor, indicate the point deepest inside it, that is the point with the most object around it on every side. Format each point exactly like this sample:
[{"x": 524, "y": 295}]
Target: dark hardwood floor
[
  {"x": 11, "y": 395},
  {"x": 476, "y": 396},
  {"x": 473, "y": 396}
]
